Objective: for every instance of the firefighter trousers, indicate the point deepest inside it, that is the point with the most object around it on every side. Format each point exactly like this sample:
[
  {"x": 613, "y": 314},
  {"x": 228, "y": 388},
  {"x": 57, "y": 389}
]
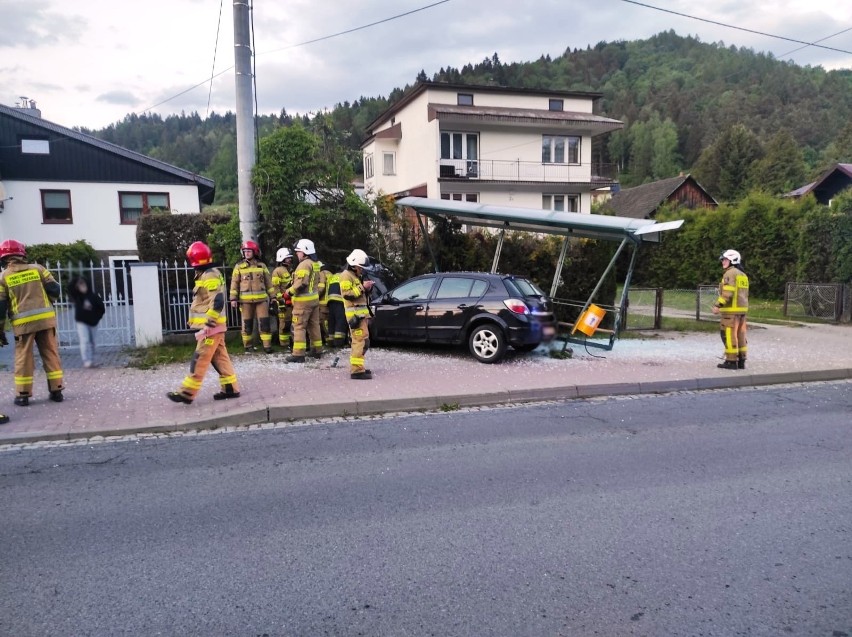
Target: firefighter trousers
[
  {"x": 48, "y": 349},
  {"x": 306, "y": 324},
  {"x": 210, "y": 350},
  {"x": 733, "y": 331},
  {"x": 260, "y": 312},
  {"x": 360, "y": 344},
  {"x": 285, "y": 323}
]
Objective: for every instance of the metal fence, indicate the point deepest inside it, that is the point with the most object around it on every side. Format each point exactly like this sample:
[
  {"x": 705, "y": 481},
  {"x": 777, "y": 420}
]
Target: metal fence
[
  {"x": 177, "y": 281},
  {"x": 113, "y": 284},
  {"x": 646, "y": 307},
  {"x": 814, "y": 300}
]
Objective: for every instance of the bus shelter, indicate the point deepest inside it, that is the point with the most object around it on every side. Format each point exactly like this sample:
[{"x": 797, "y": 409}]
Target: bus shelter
[{"x": 625, "y": 231}]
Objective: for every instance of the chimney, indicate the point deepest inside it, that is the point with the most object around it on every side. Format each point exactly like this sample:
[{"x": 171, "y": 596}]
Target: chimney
[{"x": 28, "y": 106}]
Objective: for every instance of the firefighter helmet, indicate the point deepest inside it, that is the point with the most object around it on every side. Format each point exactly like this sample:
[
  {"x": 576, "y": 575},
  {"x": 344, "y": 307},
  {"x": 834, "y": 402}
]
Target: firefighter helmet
[
  {"x": 358, "y": 257},
  {"x": 12, "y": 248},
  {"x": 199, "y": 254},
  {"x": 282, "y": 254},
  {"x": 250, "y": 245},
  {"x": 305, "y": 245},
  {"x": 731, "y": 255}
]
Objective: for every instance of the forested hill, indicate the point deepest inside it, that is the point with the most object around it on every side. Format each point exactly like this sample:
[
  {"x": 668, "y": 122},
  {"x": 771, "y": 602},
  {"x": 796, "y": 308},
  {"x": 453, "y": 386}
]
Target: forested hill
[{"x": 680, "y": 99}]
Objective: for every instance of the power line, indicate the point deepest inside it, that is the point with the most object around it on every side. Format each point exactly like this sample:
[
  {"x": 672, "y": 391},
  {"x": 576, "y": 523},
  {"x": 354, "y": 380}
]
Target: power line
[
  {"x": 215, "y": 49},
  {"x": 731, "y": 26},
  {"x": 293, "y": 46}
]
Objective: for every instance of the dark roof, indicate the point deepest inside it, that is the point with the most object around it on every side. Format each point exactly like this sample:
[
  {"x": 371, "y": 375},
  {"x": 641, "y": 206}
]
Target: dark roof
[
  {"x": 420, "y": 87},
  {"x": 840, "y": 169},
  {"x": 642, "y": 201},
  {"x": 82, "y": 157},
  {"x": 524, "y": 115}
]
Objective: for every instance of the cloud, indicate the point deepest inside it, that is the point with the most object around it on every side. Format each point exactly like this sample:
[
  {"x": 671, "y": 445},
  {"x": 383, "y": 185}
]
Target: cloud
[
  {"x": 119, "y": 98},
  {"x": 31, "y": 24}
]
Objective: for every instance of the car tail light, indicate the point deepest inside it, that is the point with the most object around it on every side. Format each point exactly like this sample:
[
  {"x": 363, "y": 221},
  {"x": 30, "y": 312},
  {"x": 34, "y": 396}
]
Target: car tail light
[{"x": 517, "y": 306}]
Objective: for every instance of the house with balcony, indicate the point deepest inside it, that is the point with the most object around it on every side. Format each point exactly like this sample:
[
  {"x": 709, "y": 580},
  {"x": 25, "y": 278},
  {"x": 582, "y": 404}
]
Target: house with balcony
[{"x": 518, "y": 147}]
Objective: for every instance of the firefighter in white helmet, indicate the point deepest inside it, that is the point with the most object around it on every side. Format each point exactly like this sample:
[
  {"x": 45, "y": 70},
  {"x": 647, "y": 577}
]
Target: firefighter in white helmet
[
  {"x": 732, "y": 306},
  {"x": 304, "y": 293},
  {"x": 354, "y": 291},
  {"x": 282, "y": 278}
]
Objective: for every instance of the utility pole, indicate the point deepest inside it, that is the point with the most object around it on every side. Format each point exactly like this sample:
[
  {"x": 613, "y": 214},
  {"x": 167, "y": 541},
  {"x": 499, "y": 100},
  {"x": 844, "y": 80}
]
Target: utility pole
[{"x": 245, "y": 119}]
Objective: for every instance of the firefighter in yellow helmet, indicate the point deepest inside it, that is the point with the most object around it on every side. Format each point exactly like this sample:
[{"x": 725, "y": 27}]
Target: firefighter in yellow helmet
[
  {"x": 251, "y": 288},
  {"x": 208, "y": 316},
  {"x": 27, "y": 293},
  {"x": 354, "y": 291},
  {"x": 304, "y": 292},
  {"x": 732, "y": 306}
]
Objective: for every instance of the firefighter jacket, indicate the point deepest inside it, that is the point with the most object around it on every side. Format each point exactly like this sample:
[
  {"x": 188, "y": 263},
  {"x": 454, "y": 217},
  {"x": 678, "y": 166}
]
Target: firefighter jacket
[
  {"x": 281, "y": 280},
  {"x": 250, "y": 282},
  {"x": 332, "y": 288},
  {"x": 322, "y": 286},
  {"x": 354, "y": 296},
  {"x": 208, "y": 300},
  {"x": 733, "y": 292},
  {"x": 305, "y": 286},
  {"x": 27, "y": 292}
]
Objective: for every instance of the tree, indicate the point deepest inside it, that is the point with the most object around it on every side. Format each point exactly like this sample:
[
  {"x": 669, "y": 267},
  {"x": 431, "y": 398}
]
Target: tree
[
  {"x": 725, "y": 166},
  {"x": 782, "y": 169}
]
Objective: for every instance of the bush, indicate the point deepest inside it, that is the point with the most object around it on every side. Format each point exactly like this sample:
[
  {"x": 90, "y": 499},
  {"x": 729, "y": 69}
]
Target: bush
[
  {"x": 166, "y": 237},
  {"x": 78, "y": 252}
]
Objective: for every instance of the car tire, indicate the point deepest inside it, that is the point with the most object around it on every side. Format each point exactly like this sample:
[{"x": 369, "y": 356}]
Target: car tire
[{"x": 487, "y": 343}]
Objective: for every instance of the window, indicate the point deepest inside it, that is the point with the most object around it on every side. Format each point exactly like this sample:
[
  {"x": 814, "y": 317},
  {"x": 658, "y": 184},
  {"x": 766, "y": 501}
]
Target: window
[
  {"x": 134, "y": 205},
  {"x": 465, "y": 99},
  {"x": 464, "y": 149},
  {"x": 56, "y": 206},
  {"x": 560, "y": 149},
  {"x": 35, "y": 146},
  {"x": 368, "y": 166},
  {"x": 414, "y": 291},
  {"x": 561, "y": 203},
  {"x": 472, "y": 197},
  {"x": 388, "y": 163},
  {"x": 556, "y": 105}
]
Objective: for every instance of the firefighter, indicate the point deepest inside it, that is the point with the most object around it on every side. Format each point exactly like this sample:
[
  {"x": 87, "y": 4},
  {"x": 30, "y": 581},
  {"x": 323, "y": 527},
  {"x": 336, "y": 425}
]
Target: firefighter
[
  {"x": 27, "y": 293},
  {"x": 282, "y": 277},
  {"x": 322, "y": 289},
  {"x": 208, "y": 317},
  {"x": 337, "y": 328},
  {"x": 251, "y": 287},
  {"x": 303, "y": 292},
  {"x": 354, "y": 291},
  {"x": 732, "y": 306}
]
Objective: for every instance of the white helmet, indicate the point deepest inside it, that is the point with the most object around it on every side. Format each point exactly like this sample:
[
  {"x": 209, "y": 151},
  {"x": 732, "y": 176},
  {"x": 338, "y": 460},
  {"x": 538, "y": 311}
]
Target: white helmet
[
  {"x": 306, "y": 246},
  {"x": 283, "y": 253},
  {"x": 358, "y": 257},
  {"x": 731, "y": 255}
]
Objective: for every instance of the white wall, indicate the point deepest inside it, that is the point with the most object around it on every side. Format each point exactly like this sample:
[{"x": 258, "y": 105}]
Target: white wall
[{"x": 94, "y": 211}]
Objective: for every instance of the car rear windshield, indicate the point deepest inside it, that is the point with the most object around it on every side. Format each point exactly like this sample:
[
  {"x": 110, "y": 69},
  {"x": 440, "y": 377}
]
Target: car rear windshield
[{"x": 523, "y": 287}]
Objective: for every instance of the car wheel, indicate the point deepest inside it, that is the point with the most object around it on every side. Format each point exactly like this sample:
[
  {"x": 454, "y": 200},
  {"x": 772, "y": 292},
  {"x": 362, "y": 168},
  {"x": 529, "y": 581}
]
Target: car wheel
[{"x": 487, "y": 343}]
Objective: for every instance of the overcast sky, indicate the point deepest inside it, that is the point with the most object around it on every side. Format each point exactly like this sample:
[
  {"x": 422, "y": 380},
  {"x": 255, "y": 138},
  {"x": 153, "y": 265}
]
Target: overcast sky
[{"x": 91, "y": 62}]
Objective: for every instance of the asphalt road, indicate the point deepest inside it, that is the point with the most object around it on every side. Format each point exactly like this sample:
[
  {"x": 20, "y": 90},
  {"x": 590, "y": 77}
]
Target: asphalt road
[{"x": 715, "y": 513}]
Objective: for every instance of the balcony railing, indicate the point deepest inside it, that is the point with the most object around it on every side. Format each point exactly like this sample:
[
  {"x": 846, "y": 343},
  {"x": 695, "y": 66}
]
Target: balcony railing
[{"x": 502, "y": 170}]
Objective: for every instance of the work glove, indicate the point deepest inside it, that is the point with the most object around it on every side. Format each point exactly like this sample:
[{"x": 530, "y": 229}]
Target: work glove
[{"x": 273, "y": 306}]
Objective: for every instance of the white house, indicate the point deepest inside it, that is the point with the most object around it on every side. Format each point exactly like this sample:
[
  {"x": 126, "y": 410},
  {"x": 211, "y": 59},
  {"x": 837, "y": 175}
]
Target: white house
[
  {"x": 58, "y": 185},
  {"x": 527, "y": 148}
]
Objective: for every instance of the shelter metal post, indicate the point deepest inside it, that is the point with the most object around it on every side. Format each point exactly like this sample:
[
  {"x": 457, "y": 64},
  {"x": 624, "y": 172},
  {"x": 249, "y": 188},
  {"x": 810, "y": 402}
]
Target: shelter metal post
[
  {"x": 498, "y": 251},
  {"x": 622, "y": 304},
  {"x": 428, "y": 243},
  {"x": 557, "y": 276}
]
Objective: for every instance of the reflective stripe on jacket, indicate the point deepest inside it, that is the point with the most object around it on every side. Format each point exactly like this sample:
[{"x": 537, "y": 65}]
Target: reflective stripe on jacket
[
  {"x": 22, "y": 288},
  {"x": 354, "y": 297},
  {"x": 208, "y": 299},
  {"x": 251, "y": 282},
  {"x": 733, "y": 292},
  {"x": 305, "y": 281}
]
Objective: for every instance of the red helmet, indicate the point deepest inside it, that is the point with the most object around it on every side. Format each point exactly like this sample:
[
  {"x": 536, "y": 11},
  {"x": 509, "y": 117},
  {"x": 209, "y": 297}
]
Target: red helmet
[
  {"x": 12, "y": 248},
  {"x": 198, "y": 254},
  {"x": 250, "y": 245}
]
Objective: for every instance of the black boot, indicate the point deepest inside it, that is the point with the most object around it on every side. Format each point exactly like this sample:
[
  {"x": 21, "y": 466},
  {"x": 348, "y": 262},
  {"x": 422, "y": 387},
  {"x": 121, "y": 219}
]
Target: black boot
[
  {"x": 3, "y": 419},
  {"x": 56, "y": 396},
  {"x": 177, "y": 397},
  {"x": 227, "y": 393},
  {"x": 727, "y": 365},
  {"x": 22, "y": 401},
  {"x": 741, "y": 363}
]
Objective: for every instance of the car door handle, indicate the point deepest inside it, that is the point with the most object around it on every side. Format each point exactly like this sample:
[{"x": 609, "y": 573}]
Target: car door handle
[
  {"x": 463, "y": 306},
  {"x": 418, "y": 308}
]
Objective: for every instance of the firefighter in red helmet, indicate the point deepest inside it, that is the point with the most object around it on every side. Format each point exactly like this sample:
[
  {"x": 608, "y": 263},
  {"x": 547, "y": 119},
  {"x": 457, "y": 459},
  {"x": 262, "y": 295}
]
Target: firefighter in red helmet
[
  {"x": 27, "y": 293},
  {"x": 251, "y": 288},
  {"x": 208, "y": 316}
]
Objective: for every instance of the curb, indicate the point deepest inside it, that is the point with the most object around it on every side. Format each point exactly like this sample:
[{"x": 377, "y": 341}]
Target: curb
[{"x": 446, "y": 402}]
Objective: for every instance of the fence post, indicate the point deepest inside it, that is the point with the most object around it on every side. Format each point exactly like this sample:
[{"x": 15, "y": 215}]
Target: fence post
[{"x": 146, "y": 304}]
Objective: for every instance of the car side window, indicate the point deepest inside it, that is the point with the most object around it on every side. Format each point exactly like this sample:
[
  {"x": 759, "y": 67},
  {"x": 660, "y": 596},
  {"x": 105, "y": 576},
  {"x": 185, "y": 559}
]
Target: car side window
[
  {"x": 453, "y": 287},
  {"x": 479, "y": 289},
  {"x": 413, "y": 290}
]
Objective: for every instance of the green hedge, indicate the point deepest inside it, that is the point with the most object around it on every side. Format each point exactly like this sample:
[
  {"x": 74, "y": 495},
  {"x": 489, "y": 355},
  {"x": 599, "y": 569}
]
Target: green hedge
[
  {"x": 78, "y": 252},
  {"x": 165, "y": 237}
]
